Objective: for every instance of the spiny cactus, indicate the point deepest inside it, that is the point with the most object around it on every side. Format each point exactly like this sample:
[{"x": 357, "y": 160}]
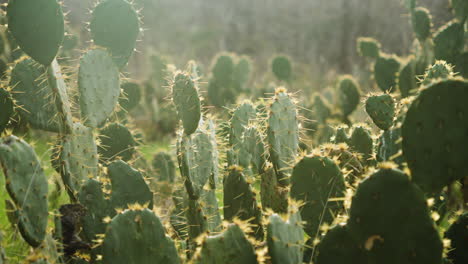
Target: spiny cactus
[
  {"x": 381, "y": 108},
  {"x": 27, "y": 185},
  {"x": 457, "y": 233},
  {"x": 187, "y": 102},
  {"x": 43, "y": 33},
  {"x": 370, "y": 227},
  {"x": 115, "y": 25},
  {"x": 449, "y": 41},
  {"x": 116, "y": 141},
  {"x": 99, "y": 87},
  {"x": 423, "y": 133},
  {"x": 129, "y": 236},
  {"x": 407, "y": 81},
  {"x": 131, "y": 96},
  {"x": 164, "y": 167},
  {"x": 385, "y": 72},
  {"x": 362, "y": 143},
  {"x": 6, "y": 112},
  {"x": 349, "y": 96},
  {"x": 282, "y": 68},
  {"x": 317, "y": 181},
  {"x": 368, "y": 47},
  {"x": 439, "y": 70},
  {"x": 421, "y": 21}
]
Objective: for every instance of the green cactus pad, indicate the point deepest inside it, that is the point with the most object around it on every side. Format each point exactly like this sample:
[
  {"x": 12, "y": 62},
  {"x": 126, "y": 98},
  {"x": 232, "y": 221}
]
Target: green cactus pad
[
  {"x": 381, "y": 108},
  {"x": 389, "y": 146},
  {"x": 196, "y": 221},
  {"x": 240, "y": 119},
  {"x": 347, "y": 161},
  {"x": 229, "y": 247},
  {"x": 386, "y": 69},
  {"x": 116, "y": 141},
  {"x": 137, "y": 237},
  {"x": 282, "y": 68},
  {"x": 33, "y": 96},
  {"x": 78, "y": 158},
  {"x": 164, "y": 167},
  {"x": 131, "y": 96},
  {"x": 449, "y": 41},
  {"x": 462, "y": 65},
  {"x": 242, "y": 73},
  {"x": 349, "y": 94},
  {"x": 187, "y": 102},
  {"x": 273, "y": 195},
  {"x": 254, "y": 150},
  {"x": 368, "y": 47},
  {"x": 437, "y": 138},
  {"x": 341, "y": 135},
  {"x": 6, "y": 111},
  {"x": 460, "y": 8},
  {"x": 285, "y": 239},
  {"x": 362, "y": 143},
  {"x": 223, "y": 70},
  {"x": 457, "y": 233},
  {"x": 283, "y": 135},
  {"x": 27, "y": 185},
  {"x": 389, "y": 217},
  {"x": 321, "y": 109},
  {"x": 316, "y": 180},
  {"x": 407, "y": 81},
  {"x": 92, "y": 197},
  {"x": 115, "y": 25},
  {"x": 209, "y": 204},
  {"x": 125, "y": 180},
  {"x": 338, "y": 247},
  {"x": 439, "y": 70},
  {"x": 240, "y": 201},
  {"x": 38, "y": 27},
  {"x": 99, "y": 87},
  {"x": 421, "y": 21}
]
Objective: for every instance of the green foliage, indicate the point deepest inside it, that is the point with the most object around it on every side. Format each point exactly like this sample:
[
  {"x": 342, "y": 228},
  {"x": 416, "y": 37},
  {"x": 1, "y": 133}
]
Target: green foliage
[
  {"x": 43, "y": 33},
  {"x": 424, "y": 132},
  {"x": 115, "y": 25}
]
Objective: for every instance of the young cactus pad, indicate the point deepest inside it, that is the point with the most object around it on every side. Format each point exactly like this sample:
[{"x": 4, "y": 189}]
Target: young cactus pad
[
  {"x": 115, "y": 25},
  {"x": 27, "y": 185},
  {"x": 38, "y": 27},
  {"x": 381, "y": 108},
  {"x": 385, "y": 204},
  {"x": 137, "y": 236},
  {"x": 187, "y": 102},
  {"x": 434, "y": 141}
]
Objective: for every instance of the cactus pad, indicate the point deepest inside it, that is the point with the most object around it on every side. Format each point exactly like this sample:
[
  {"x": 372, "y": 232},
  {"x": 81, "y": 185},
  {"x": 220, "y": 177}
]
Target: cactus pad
[
  {"x": 458, "y": 233},
  {"x": 282, "y": 68},
  {"x": 449, "y": 41},
  {"x": 116, "y": 141},
  {"x": 385, "y": 72},
  {"x": 285, "y": 239},
  {"x": 6, "y": 111},
  {"x": 381, "y": 108},
  {"x": 187, "y": 102},
  {"x": 349, "y": 95},
  {"x": 131, "y": 96},
  {"x": 27, "y": 185},
  {"x": 421, "y": 20}
]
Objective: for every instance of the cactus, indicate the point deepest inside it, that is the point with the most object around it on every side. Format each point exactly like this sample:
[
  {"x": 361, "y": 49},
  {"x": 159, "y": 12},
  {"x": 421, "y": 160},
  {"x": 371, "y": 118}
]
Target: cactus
[
  {"x": 347, "y": 161},
  {"x": 99, "y": 87},
  {"x": 116, "y": 141},
  {"x": 42, "y": 36},
  {"x": 389, "y": 146},
  {"x": 349, "y": 96},
  {"x": 460, "y": 9},
  {"x": 321, "y": 109},
  {"x": 457, "y": 233},
  {"x": 368, "y": 47},
  {"x": 7, "y": 109},
  {"x": 285, "y": 239},
  {"x": 187, "y": 102},
  {"x": 27, "y": 186},
  {"x": 78, "y": 158},
  {"x": 125, "y": 180},
  {"x": 373, "y": 226},
  {"x": 362, "y": 143},
  {"x": 282, "y": 68},
  {"x": 423, "y": 133},
  {"x": 164, "y": 167},
  {"x": 316, "y": 180},
  {"x": 449, "y": 41},
  {"x": 283, "y": 134},
  {"x": 385, "y": 72},
  {"x": 341, "y": 135},
  {"x": 439, "y": 70},
  {"x": 240, "y": 201},
  {"x": 407, "y": 81},
  {"x": 131, "y": 96},
  {"x": 241, "y": 74},
  {"x": 115, "y": 25},
  {"x": 129, "y": 235},
  {"x": 381, "y": 108},
  {"x": 421, "y": 21},
  {"x": 338, "y": 246},
  {"x": 229, "y": 247}
]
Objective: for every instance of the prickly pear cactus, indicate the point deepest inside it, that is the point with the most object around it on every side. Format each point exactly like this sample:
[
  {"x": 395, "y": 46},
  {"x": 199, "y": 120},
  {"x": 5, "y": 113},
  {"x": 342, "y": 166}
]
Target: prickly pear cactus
[
  {"x": 321, "y": 109},
  {"x": 131, "y": 96},
  {"x": 460, "y": 9},
  {"x": 282, "y": 68},
  {"x": 421, "y": 21},
  {"x": 164, "y": 167},
  {"x": 187, "y": 102},
  {"x": 407, "y": 80},
  {"x": 368, "y": 47},
  {"x": 240, "y": 201},
  {"x": 285, "y": 239},
  {"x": 389, "y": 146},
  {"x": 229, "y": 247},
  {"x": 283, "y": 134},
  {"x": 115, "y": 25},
  {"x": 338, "y": 246},
  {"x": 381, "y": 108},
  {"x": 6, "y": 112},
  {"x": 38, "y": 27},
  {"x": 457, "y": 233},
  {"x": 385, "y": 72},
  {"x": 449, "y": 41},
  {"x": 362, "y": 143},
  {"x": 375, "y": 227},
  {"x": 439, "y": 70},
  {"x": 116, "y": 141},
  {"x": 424, "y": 132},
  {"x": 27, "y": 185},
  {"x": 136, "y": 236},
  {"x": 316, "y": 181},
  {"x": 349, "y": 95},
  {"x": 99, "y": 87}
]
